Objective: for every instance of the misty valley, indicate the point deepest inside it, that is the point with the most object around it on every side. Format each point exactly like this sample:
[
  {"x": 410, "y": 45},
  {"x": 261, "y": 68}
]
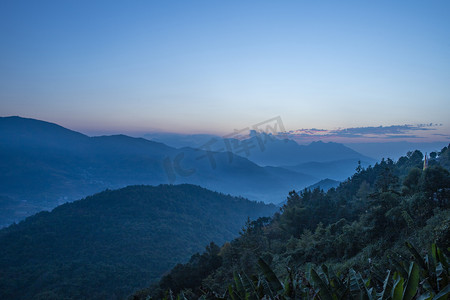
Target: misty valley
[{"x": 98, "y": 218}]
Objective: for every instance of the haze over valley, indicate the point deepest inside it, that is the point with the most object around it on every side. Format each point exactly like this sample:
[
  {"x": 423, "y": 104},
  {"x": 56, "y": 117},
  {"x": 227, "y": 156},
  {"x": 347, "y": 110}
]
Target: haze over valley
[{"x": 225, "y": 150}]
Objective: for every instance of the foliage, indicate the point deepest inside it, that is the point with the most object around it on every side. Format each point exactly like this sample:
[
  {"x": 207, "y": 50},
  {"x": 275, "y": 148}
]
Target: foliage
[
  {"x": 426, "y": 278},
  {"x": 357, "y": 229},
  {"x": 109, "y": 244}
]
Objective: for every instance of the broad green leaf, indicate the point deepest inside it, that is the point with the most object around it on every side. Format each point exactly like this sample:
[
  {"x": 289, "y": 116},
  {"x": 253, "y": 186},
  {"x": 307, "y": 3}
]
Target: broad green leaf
[
  {"x": 426, "y": 296},
  {"x": 272, "y": 279},
  {"x": 412, "y": 283},
  {"x": 417, "y": 256},
  {"x": 385, "y": 292},
  {"x": 397, "y": 289},
  {"x": 231, "y": 292},
  {"x": 324, "y": 292},
  {"x": 442, "y": 258},
  {"x": 444, "y": 294}
]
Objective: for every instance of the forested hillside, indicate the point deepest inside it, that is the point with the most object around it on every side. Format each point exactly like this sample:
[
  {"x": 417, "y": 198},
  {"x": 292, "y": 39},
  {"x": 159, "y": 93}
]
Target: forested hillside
[
  {"x": 358, "y": 229},
  {"x": 107, "y": 245}
]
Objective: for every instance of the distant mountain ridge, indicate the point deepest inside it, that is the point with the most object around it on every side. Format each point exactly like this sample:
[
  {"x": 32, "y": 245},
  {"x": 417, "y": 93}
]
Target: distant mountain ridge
[
  {"x": 324, "y": 184},
  {"x": 337, "y": 170},
  {"x": 394, "y": 150},
  {"x": 264, "y": 149},
  {"x": 269, "y": 150},
  {"x": 178, "y": 140},
  {"x": 45, "y": 165}
]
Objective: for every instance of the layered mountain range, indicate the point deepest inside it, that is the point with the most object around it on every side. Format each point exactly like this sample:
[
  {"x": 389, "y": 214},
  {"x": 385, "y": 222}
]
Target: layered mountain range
[{"x": 44, "y": 164}]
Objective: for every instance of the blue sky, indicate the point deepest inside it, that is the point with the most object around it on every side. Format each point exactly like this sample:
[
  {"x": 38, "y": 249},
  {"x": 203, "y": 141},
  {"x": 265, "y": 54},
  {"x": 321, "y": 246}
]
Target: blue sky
[{"x": 215, "y": 66}]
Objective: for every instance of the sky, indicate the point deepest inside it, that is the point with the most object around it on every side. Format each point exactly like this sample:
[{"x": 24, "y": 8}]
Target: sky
[{"x": 216, "y": 66}]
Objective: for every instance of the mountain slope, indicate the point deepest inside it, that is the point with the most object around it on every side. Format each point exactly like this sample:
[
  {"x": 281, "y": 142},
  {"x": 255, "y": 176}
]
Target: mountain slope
[
  {"x": 178, "y": 140},
  {"x": 46, "y": 165},
  {"x": 324, "y": 184},
  {"x": 106, "y": 245},
  {"x": 362, "y": 225}
]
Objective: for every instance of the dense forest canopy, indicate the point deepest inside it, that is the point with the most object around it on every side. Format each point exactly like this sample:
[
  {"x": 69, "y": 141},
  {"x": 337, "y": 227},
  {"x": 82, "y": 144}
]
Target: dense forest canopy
[
  {"x": 109, "y": 244},
  {"x": 362, "y": 226}
]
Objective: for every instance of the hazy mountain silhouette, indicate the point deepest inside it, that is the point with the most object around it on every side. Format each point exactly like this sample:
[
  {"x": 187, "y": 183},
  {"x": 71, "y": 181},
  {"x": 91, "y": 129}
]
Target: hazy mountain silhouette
[
  {"x": 324, "y": 184},
  {"x": 108, "y": 244},
  {"x": 270, "y": 150},
  {"x": 46, "y": 164},
  {"x": 395, "y": 150},
  {"x": 336, "y": 170},
  {"x": 265, "y": 149},
  {"x": 179, "y": 140}
]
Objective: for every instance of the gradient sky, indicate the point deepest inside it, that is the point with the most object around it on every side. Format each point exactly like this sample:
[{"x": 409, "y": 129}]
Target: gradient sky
[{"x": 214, "y": 66}]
